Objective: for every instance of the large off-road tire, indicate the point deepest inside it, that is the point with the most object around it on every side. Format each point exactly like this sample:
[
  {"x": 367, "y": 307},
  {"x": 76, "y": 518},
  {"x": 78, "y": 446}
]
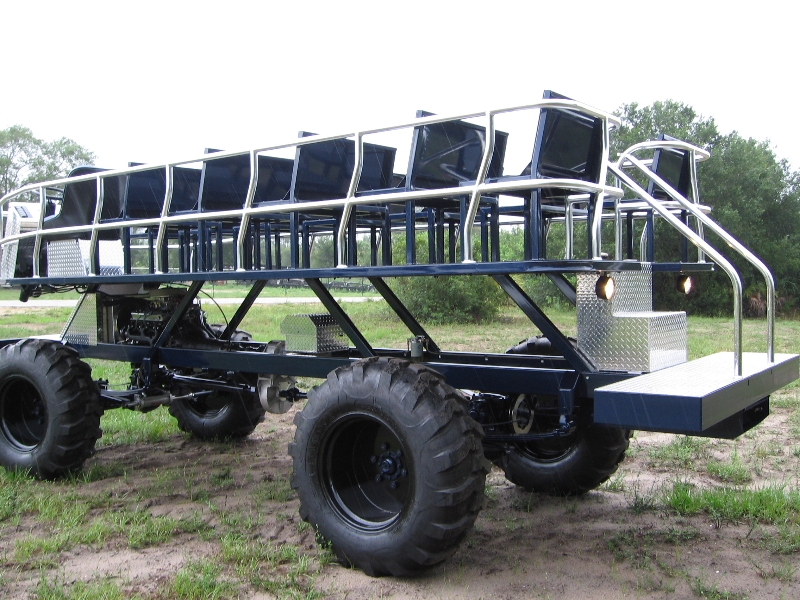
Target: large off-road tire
[
  {"x": 49, "y": 408},
  {"x": 573, "y": 464},
  {"x": 219, "y": 415},
  {"x": 388, "y": 465}
]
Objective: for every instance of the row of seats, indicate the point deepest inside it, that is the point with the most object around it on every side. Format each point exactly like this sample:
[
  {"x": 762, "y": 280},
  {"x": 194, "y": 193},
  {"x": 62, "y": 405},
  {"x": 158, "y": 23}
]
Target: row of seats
[{"x": 568, "y": 144}]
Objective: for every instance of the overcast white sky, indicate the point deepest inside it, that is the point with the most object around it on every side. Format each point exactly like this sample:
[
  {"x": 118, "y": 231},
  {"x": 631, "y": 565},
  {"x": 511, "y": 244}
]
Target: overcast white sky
[{"x": 155, "y": 81}]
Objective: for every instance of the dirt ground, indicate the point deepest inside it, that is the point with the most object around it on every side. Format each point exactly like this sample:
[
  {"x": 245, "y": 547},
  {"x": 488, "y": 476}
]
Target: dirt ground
[{"x": 616, "y": 542}]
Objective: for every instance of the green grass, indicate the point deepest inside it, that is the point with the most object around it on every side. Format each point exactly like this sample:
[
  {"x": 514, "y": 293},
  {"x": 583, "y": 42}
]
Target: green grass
[
  {"x": 200, "y": 580},
  {"x": 683, "y": 452},
  {"x": 104, "y": 589},
  {"x": 705, "y": 589},
  {"x": 125, "y": 427},
  {"x": 775, "y": 505},
  {"x": 282, "y": 570},
  {"x": 731, "y": 471}
]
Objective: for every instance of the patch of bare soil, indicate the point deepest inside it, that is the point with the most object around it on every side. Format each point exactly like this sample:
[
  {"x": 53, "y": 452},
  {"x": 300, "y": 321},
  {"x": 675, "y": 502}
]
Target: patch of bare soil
[{"x": 617, "y": 542}]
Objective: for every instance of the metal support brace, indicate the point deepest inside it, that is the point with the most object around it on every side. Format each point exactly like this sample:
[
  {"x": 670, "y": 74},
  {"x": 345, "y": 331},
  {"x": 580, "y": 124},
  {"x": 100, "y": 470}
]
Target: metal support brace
[
  {"x": 573, "y": 356},
  {"x": 566, "y": 396},
  {"x": 349, "y": 328},
  {"x": 564, "y": 286},
  {"x": 244, "y": 307},
  {"x": 181, "y": 309},
  {"x": 401, "y": 311}
]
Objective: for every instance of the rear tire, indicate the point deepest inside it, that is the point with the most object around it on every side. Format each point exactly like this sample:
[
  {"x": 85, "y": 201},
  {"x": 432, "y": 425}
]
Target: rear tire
[
  {"x": 571, "y": 465},
  {"x": 219, "y": 415},
  {"x": 49, "y": 408},
  {"x": 389, "y": 466}
]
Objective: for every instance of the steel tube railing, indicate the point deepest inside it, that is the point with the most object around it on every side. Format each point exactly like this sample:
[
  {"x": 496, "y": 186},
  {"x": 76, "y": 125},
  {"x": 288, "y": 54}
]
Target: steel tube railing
[
  {"x": 729, "y": 239},
  {"x": 346, "y": 204},
  {"x": 693, "y": 237}
]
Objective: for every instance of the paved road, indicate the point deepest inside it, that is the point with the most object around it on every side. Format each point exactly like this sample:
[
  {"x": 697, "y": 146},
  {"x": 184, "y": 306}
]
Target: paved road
[{"x": 275, "y": 300}]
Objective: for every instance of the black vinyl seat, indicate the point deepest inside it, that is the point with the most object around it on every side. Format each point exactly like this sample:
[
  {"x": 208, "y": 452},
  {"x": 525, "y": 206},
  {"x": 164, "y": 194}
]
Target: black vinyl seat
[
  {"x": 145, "y": 192},
  {"x": 79, "y": 202},
  {"x": 443, "y": 155},
  {"x": 449, "y": 154},
  {"x": 225, "y": 181},
  {"x": 323, "y": 171},
  {"x": 224, "y": 185},
  {"x": 78, "y": 205},
  {"x": 674, "y": 166},
  {"x": 568, "y": 145}
]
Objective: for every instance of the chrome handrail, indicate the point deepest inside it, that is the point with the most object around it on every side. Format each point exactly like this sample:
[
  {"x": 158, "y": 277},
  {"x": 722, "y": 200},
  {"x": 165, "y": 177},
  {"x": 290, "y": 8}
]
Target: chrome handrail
[
  {"x": 698, "y": 241},
  {"x": 696, "y": 154},
  {"x": 729, "y": 239},
  {"x": 346, "y": 204}
]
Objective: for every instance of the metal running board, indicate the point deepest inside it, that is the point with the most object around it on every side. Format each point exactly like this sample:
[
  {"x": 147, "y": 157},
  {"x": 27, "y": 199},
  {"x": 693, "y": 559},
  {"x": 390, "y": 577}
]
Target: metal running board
[{"x": 701, "y": 397}]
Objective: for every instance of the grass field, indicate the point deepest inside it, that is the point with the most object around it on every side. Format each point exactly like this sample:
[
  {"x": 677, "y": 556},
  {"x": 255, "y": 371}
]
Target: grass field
[{"x": 106, "y": 506}]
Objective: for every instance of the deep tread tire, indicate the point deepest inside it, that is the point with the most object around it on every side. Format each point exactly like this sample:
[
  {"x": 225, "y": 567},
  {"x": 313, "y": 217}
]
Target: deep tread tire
[
  {"x": 590, "y": 456},
  {"x": 219, "y": 415},
  {"x": 49, "y": 408},
  {"x": 388, "y": 405}
]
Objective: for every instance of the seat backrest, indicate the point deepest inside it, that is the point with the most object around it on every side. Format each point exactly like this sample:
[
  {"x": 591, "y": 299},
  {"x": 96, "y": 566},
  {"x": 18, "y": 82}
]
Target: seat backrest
[
  {"x": 225, "y": 181},
  {"x": 445, "y": 154},
  {"x": 145, "y": 190},
  {"x": 185, "y": 189},
  {"x": 323, "y": 171},
  {"x": 673, "y": 166},
  {"x": 79, "y": 202},
  {"x": 144, "y": 193},
  {"x": 568, "y": 144}
]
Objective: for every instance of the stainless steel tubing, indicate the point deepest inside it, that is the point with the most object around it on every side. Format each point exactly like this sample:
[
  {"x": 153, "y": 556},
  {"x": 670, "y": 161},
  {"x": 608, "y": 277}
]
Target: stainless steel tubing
[
  {"x": 710, "y": 250},
  {"x": 732, "y": 242}
]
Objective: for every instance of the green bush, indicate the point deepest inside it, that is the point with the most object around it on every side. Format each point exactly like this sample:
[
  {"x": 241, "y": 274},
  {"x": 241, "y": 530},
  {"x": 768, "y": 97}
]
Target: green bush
[{"x": 441, "y": 300}]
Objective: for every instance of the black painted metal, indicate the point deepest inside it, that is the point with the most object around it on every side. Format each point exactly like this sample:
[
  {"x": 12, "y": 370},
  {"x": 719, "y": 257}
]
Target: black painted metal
[
  {"x": 244, "y": 307},
  {"x": 177, "y": 315},
  {"x": 510, "y": 267},
  {"x": 349, "y": 328},
  {"x": 564, "y": 286},
  {"x": 402, "y": 312},
  {"x": 636, "y": 405},
  {"x": 573, "y": 355}
]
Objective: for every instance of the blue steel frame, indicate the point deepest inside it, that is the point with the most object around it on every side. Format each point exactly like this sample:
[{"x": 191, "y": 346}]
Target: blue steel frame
[{"x": 569, "y": 156}]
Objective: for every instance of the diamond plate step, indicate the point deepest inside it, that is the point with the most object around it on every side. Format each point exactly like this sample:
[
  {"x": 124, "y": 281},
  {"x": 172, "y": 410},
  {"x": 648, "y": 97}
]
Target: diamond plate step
[{"x": 701, "y": 397}]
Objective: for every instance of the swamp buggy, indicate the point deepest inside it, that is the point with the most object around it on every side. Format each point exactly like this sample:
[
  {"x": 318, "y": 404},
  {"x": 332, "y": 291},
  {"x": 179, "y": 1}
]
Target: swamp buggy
[{"x": 391, "y": 451}]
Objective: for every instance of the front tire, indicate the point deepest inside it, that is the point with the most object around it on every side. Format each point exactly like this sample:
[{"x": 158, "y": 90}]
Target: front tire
[
  {"x": 389, "y": 466},
  {"x": 49, "y": 408}
]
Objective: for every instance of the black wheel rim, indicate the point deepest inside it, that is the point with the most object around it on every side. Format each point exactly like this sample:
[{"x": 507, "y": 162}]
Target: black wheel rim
[
  {"x": 366, "y": 472},
  {"x": 209, "y": 406},
  {"x": 23, "y": 413},
  {"x": 552, "y": 449}
]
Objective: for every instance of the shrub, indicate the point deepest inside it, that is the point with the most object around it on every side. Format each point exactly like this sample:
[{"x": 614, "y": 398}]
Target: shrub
[{"x": 440, "y": 300}]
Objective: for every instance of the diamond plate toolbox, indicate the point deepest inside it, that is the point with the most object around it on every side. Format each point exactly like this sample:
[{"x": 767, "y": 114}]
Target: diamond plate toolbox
[
  {"x": 313, "y": 334},
  {"x": 624, "y": 333}
]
